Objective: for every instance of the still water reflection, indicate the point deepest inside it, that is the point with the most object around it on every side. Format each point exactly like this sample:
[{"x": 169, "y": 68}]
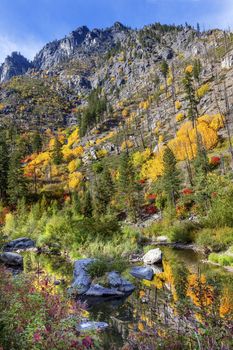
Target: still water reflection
[{"x": 184, "y": 295}]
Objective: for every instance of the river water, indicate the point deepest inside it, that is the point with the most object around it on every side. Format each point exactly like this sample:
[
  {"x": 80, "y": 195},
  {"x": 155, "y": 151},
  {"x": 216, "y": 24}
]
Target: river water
[{"x": 152, "y": 303}]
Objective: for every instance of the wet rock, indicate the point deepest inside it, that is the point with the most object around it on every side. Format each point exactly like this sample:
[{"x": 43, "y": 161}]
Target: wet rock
[
  {"x": 11, "y": 259},
  {"x": 118, "y": 282},
  {"x": 82, "y": 279},
  {"x": 22, "y": 243},
  {"x": 88, "y": 326},
  {"x": 97, "y": 290},
  {"x": 152, "y": 257},
  {"x": 142, "y": 272}
]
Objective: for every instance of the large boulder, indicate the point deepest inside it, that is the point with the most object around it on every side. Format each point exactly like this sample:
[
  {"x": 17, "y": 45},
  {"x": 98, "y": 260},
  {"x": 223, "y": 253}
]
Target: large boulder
[
  {"x": 116, "y": 281},
  {"x": 22, "y": 243},
  {"x": 11, "y": 259},
  {"x": 97, "y": 290},
  {"x": 142, "y": 272},
  {"x": 87, "y": 326},
  {"x": 82, "y": 279},
  {"x": 154, "y": 256}
]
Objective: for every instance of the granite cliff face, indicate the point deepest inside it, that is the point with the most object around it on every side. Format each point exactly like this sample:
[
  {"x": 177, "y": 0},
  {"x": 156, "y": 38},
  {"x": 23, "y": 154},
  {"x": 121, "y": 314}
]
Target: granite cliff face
[
  {"x": 80, "y": 43},
  {"x": 14, "y": 65},
  {"x": 123, "y": 64}
]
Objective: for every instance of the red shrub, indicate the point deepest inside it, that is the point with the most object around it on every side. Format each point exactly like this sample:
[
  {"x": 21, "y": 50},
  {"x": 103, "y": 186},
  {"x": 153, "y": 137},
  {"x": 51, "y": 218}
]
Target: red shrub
[
  {"x": 187, "y": 191},
  {"x": 215, "y": 160},
  {"x": 150, "y": 209},
  {"x": 142, "y": 181}
]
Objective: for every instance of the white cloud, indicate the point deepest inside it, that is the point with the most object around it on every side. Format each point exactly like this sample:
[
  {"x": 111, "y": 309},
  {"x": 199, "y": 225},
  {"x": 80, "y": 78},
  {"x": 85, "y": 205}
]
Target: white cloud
[{"x": 26, "y": 46}]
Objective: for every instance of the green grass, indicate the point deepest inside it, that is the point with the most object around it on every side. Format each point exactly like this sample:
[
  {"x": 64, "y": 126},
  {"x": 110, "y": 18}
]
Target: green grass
[
  {"x": 183, "y": 232},
  {"x": 221, "y": 259},
  {"x": 217, "y": 239}
]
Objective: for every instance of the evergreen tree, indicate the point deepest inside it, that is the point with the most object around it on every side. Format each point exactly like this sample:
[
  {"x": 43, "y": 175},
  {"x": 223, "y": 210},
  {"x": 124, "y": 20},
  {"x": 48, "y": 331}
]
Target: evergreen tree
[
  {"x": 201, "y": 169},
  {"x": 188, "y": 84},
  {"x": 164, "y": 70},
  {"x": 97, "y": 105},
  {"x": 104, "y": 189},
  {"x": 129, "y": 190},
  {"x": 17, "y": 186},
  {"x": 197, "y": 70},
  {"x": 87, "y": 208},
  {"x": 57, "y": 155},
  {"x": 4, "y": 164},
  {"x": 76, "y": 203},
  {"x": 36, "y": 143},
  {"x": 23, "y": 145},
  {"x": 171, "y": 177}
]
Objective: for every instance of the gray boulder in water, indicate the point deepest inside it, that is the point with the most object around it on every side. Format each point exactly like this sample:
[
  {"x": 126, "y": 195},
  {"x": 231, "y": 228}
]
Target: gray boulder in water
[
  {"x": 22, "y": 243},
  {"x": 142, "y": 272},
  {"x": 116, "y": 281},
  {"x": 153, "y": 256},
  {"x": 82, "y": 279},
  {"x": 97, "y": 290},
  {"x": 11, "y": 259}
]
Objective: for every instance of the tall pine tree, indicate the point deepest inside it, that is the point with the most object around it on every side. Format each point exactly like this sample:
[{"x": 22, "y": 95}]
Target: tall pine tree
[
  {"x": 17, "y": 186},
  {"x": 129, "y": 190},
  {"x": 171, "y": 177},
  {"x": 87, "y": 207},
  {"x": 4, "y": 164},
  {"x": 57, "y": 155},
  {"x": 201, "y": 169},
  {"x": 104, "y": 189},
  {"x": 36, "y": 142}
]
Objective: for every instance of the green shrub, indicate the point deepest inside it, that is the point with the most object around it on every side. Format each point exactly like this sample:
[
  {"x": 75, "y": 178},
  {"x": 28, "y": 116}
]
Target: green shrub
[
  {"x": 181, "y": 232},
  {"x": 102, "y": 266},
  {"x": 221, "y": 212},
  {"x": 222, "y": 259},
  {"x": 225, "y": 260},
  {"x": 213, "y": 257},
  {"x": 154, "y": 230},
  {"x": 216, "y": 239}
]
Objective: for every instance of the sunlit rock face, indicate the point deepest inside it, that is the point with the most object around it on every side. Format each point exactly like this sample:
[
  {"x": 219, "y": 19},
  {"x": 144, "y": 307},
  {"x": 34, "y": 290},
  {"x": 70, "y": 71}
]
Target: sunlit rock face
[
  {"x": 14, "y": 65},
  {"x": 80, "y": 43}
]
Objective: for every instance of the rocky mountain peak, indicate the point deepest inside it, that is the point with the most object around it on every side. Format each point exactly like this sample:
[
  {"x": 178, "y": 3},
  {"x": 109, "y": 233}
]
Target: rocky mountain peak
[
  {"x": 15, "y": 64},
  {"x": 118, "y": 26}
]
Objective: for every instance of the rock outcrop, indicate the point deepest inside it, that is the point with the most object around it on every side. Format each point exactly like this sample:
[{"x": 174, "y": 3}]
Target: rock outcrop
[
  {"x": 14, "y": 65},
  {"x": 19, "y": 244},
  {"x": 97, "y": 290},
  {"x": 121, "y": 284},
  {"x": 11, "y": 259},
  {"x": 142, "y": 272},
  {"x": 82, "y": 279},
  {"x": 152, "y": 257},
  {"x": 117, "y": 286},
  {"x": 80, "y": 43}
]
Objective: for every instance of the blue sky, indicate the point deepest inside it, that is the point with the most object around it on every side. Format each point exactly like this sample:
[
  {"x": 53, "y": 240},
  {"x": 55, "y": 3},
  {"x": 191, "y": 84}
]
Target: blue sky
[{"x": 26, "y": 25}]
